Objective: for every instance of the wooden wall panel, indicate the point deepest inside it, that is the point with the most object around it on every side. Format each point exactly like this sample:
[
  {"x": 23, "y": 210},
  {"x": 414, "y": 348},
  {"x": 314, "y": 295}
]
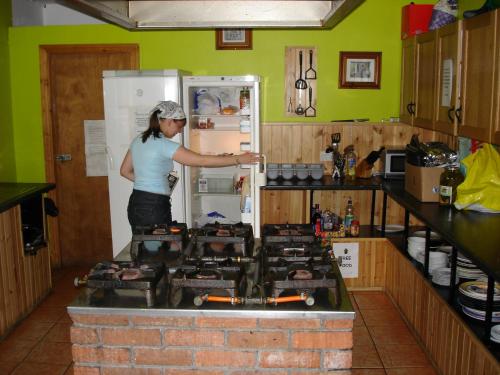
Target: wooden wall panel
[
  {"x": 372, "y": 265},
  {"x": 303, "y": 142},
  {"x": 24, "y": 279}
]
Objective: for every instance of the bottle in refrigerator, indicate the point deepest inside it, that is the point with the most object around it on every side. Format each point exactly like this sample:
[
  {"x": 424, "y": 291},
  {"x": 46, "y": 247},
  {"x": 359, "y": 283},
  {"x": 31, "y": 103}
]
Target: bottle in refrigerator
[{"x": 245, "y": 101}]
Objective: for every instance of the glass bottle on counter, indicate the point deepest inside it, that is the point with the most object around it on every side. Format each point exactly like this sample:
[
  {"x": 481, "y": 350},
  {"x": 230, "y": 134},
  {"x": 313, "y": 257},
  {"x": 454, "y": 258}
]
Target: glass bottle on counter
[
  {"x": 448, "y": 183},
  {"x": 349, "y": 215},
  {"x": 350, "y": 162}
]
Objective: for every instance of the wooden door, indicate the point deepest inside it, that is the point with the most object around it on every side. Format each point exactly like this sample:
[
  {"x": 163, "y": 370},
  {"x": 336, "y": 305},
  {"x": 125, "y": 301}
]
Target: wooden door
[
  {"x": 425, "y": 79},
  {"x": 448, "y": 46},
  {"x": 407, "y": 81},
  {"x": 72, "y": 93},
  {"x": 477, "y": 83}
]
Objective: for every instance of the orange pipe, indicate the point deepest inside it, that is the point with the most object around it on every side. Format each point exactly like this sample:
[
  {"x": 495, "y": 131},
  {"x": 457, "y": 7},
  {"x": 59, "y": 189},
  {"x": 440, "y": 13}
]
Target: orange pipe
[
  {"x": 222, "y": 299},
  {"x": 287, "y": 299}
]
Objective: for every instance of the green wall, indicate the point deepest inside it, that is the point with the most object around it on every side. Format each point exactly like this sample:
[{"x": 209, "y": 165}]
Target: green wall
[
  {"x": 7, "y": 155},
  {"x": 374, "y": 26}
]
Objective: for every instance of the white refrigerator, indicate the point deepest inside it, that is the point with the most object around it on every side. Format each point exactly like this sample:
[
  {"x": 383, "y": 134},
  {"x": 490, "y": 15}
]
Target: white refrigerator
[
  {"x": 129, "y": 95},
  {"x": 223, "y": 118}
]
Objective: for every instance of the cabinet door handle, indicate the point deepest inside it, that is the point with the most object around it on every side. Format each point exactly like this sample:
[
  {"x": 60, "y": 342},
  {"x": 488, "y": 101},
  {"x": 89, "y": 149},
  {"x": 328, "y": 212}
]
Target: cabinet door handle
[
  {"x": 458, "y": 114},
  {"x": 413, "y": 107},
  {"x": 450, "y": 113},
  {"x": 408, "y": 108}
]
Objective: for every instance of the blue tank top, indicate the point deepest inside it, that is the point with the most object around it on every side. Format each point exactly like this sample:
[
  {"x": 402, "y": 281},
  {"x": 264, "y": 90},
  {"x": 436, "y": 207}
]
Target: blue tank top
[{"x": 152, "y": 162}]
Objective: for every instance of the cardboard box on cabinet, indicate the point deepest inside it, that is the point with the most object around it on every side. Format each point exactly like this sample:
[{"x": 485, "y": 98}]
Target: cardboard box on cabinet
[{"x": 422, "y": 182}]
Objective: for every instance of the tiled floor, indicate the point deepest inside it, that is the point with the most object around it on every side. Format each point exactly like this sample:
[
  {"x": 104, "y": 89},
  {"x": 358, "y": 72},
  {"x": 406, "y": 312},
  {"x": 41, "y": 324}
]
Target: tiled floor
[
  {"x": 40, "y": 345},
  {"x": 383, "y": 344}
]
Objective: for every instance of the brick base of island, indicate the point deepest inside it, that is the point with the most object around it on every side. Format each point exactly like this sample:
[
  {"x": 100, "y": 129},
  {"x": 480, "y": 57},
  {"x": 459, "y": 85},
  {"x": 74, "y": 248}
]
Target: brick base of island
[{"x": 227, "y": 342}]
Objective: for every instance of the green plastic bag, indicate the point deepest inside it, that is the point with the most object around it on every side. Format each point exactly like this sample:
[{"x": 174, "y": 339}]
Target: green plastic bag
[{"x": 480, "y": 190}]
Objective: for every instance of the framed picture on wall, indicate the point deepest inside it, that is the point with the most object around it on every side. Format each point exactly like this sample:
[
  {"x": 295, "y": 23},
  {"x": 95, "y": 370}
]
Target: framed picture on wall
[
  {"x": 360, "y": 70},
  {"x": 233, "y": 39}
]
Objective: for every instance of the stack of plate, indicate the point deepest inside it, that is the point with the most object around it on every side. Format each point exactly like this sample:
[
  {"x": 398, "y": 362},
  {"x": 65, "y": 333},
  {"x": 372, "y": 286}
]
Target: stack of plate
[
  {"x": 441, "y": 276},
  {"x": 468, "y": 270},
  {"x": 415, "y": 246},
  {"x": 472, "y": 298},
  {"x": 495, "y": 334},
  {"x": 421, "y": 233}
]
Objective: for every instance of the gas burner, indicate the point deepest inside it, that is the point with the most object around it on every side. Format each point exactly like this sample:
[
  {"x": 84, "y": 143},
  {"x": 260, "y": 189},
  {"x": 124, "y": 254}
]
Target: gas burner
[
  {"x": 206, "y": 274},
  {"x": 224, "y": 239},
  {"x": 160, "y": 243},
  {"x": 277, "y": 233},
  {"x": 300, "y": 281},
  {"x": 210, "y": 282},
  {"x": 300, "y": 275},
  {"x": 126, "y": 275},
  {"x": 294, "y": 251}
]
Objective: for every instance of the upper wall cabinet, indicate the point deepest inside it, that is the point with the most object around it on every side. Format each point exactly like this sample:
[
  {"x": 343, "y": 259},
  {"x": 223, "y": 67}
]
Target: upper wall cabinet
[
  {"x": 425, "y": 80},
  {"x": 407, "y": 103},
  {"x": 479, "y": 88},
  {"x": 450, "y": 79},
  {"x": 428, "y": 81},
  {"x": 448, "y": 52},
  {"x": 418, "y": 80}
]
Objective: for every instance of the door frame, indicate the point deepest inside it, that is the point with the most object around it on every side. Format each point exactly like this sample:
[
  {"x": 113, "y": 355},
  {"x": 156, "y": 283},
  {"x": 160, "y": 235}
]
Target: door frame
[{"x": 46, "y": 51}]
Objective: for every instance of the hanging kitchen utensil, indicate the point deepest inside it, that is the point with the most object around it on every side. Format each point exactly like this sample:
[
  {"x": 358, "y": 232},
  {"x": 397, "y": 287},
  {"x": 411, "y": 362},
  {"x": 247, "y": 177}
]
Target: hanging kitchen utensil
[
  {"x": 310, "y": 111},
  {"x": 300, "y": 84},
  {"x": 310, "y": 73},
  {"x": 299, "y": 110}
]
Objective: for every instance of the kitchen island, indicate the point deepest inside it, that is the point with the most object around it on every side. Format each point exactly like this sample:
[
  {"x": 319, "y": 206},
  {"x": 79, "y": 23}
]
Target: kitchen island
[
  {"x": 115, "y": 329},
  {"x": 24, "y": 268}
]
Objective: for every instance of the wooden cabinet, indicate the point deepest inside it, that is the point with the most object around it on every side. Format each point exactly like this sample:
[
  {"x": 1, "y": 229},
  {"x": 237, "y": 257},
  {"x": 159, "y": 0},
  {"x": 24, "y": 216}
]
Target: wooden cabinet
[
  {"x": 478, "y": 88},
  {"x": 418, "y": 80},
  {"x": 407, "y": 81},
  {"x": 425, "y": 80},
  {"x": 448, "y": 54},
  {"x": 450, "y": 79},
  {"x": 429, "y": 70},
  {"x": 24, "y": 279}
]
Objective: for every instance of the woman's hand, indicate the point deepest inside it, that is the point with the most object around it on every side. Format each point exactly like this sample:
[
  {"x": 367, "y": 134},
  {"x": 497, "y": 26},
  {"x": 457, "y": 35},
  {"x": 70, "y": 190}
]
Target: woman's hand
[{"x": 248, "y": 158}]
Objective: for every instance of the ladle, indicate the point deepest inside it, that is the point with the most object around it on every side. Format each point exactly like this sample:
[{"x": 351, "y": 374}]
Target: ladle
[
  {"x": 299, "y": 110},
  {"x": 310, "y": 73},
  {"x": 300, "y": 84}
]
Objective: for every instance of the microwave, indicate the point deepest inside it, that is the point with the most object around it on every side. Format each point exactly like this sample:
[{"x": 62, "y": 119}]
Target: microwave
[{"x": 393, "y": 163}]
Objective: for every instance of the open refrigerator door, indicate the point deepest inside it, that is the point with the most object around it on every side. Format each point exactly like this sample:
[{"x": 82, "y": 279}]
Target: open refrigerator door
[{"x": 222, "y": 118}]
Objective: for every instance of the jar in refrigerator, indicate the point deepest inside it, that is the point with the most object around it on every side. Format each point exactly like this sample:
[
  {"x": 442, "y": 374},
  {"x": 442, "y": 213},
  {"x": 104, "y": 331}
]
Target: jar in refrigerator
[
  {"x": 245, "y": 101},
  {"x": 448, "y": 183}
]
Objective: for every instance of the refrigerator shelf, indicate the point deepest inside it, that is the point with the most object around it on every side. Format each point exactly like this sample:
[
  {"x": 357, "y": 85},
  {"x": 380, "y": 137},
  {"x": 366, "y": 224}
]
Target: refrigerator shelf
[
  {"x": 217, "y": 194},
  {"x": 236, "y": 115}
]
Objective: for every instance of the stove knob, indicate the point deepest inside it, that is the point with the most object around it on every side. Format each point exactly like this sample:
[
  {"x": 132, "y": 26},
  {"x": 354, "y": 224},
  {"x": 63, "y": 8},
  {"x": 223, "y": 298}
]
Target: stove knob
[
  {"x": 198, "y": 301},
  {"x": 309, "y": 300}
]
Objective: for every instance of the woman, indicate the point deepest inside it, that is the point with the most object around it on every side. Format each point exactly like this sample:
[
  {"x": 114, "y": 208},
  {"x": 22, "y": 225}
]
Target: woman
[{"x": 149, "y": 161}]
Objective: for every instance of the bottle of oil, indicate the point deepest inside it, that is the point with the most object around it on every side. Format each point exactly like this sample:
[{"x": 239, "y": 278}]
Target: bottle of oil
[
  {"x": 448, "y": 183},
  {"x": 350, "y": 162}
]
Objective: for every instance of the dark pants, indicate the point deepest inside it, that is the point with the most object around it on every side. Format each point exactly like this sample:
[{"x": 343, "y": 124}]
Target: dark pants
[{"x": 146, "y": 209}]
